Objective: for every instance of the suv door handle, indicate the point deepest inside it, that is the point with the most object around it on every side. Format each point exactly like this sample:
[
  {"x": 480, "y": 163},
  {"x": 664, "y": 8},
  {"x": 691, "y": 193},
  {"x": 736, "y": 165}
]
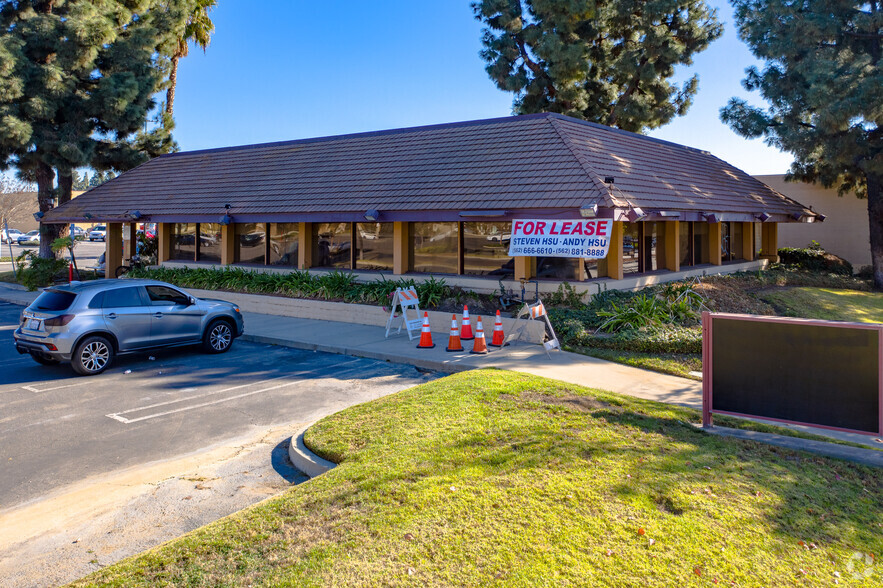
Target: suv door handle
[
  {"x": 111, "y": 315},
  {"x": 157, "y": 315}
]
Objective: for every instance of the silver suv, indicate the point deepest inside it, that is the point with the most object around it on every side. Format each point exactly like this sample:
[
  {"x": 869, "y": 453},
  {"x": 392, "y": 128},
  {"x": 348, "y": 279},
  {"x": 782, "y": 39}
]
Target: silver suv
[{"x": 88, "y": 323}]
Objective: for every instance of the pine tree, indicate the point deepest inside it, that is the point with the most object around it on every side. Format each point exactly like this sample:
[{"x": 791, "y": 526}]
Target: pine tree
[
  {"x": 77, "y": 81},
  {"x": 824, "y": 84},
  {"x": 607, "y": 61}
]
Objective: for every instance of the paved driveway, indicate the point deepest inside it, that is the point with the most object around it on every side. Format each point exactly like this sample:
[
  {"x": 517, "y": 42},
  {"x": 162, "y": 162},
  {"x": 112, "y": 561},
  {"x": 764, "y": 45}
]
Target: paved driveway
[{"x": 57, "y": 428}]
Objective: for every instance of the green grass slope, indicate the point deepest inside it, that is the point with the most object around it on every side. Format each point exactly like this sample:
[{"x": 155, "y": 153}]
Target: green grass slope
[
  {"x": 493, "y": 478},
  {"x": 828, "y": 304}
]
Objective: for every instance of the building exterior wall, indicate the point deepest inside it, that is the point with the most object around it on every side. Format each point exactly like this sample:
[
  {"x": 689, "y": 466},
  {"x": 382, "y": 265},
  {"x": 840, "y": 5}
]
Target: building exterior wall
[
  {"x": 657, "y": 248},
  {"x": 845, "y": 230}
]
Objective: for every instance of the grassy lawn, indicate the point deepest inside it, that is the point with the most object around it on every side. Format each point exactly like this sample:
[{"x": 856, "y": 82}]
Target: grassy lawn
[
  {"x": 676, "y": 364},
  {"x": 828, "y": 304},
  {"x": 499, "y": 478}
]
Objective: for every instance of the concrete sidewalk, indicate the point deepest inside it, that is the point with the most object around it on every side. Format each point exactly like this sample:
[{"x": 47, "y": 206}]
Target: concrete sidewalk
[{"x": 370, "y": 341}]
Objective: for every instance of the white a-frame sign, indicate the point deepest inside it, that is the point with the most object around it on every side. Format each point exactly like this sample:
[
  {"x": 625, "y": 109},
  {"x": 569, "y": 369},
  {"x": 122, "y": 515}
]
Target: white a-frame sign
[{"x": 405, "y": 298}]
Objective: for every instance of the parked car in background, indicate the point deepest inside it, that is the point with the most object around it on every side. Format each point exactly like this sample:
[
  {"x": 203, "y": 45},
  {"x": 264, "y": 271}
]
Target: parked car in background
[
  {"x": 29, "y": 238},
  {"x": 98, "y": 233},
  {"x": 90, "y": 323},
  {"x": 78, "y": 232},
  {"x": 10, "y": 236}
]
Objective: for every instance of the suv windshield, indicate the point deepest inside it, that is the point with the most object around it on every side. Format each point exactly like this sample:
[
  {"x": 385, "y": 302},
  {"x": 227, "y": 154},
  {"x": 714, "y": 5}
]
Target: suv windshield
[{"x": 54, "y": 300}]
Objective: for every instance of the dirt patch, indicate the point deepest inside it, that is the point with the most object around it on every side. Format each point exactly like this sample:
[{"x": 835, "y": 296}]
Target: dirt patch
[
  {"x": 102, "y": 520},
  {"x": 666, "y": 505},
  {"x": 571, "y": 401}
]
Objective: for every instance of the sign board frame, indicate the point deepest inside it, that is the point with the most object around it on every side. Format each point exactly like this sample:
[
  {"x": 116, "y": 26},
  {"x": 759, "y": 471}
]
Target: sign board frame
[
  {"x": 708, "y": 367},
  {"x": 535, "y": 312},
  {"x": 405, "y": 298},
  {"x": 581, "y": 238}
]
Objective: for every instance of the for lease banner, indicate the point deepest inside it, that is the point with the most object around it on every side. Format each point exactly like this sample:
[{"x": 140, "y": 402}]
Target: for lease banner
[{"x": 586, "y": 238}]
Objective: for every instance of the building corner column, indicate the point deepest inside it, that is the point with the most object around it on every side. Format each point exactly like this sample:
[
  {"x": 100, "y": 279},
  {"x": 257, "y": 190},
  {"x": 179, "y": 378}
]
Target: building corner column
[
  {"x": 714, "y": 243},
  {"x": 672, "y": 245},
  {"x": 163, "y": 242},
  {"x": 748, "y": 241},
  {"x": 113, "y": 249},
  {"x": 525, "y": 267},
  {"x": 228, "y": 244},
  {"x": 769, "y": 242},
  {"x": 305, "y": 245},
  {"x": 614, "y": 255},
  {"x": 130, "y": 239},
  {"x": 401, "y": 248}
]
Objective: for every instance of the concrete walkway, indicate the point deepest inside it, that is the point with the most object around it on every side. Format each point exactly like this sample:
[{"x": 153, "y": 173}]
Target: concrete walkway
[{"x": 370, "y": 341}]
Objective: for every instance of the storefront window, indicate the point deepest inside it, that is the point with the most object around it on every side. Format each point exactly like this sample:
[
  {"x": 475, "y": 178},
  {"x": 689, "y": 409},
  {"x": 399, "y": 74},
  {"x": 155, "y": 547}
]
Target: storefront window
[
  {"x": 631, "y": 247},
  {"x": 284, "y": 244},
  {"x": 685, "y": 236},
  {"x": 435, "y": 247},
  {"x": 650, "y": 234},
  {"x": 700, "y": 243},
  {"x": 726, "y": 252},
  {"x": 737, "y": 240},
  {"x": 332, "y": 245},
  {"x": 374, "y": 246},
  {"x": 209, "y": 242},
  {"x": 183, "y": 241},
  {"x": 486, "y": 249},
  {"x": 250, "y": 244}
]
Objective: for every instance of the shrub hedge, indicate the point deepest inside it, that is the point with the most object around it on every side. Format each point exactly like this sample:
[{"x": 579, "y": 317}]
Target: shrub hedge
[
  {"x": 334, "y": 285},
  {"x": 815, "y": 259},
  {"x": 573, "y": 331}
]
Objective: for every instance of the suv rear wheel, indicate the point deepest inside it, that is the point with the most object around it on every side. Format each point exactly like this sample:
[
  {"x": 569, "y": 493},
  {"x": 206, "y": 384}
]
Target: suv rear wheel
[
  {"x": 218, "y": 337},
  {"x": 92, "y": 356}
]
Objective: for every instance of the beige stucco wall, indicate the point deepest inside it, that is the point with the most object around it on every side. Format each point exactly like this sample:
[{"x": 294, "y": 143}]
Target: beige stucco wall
[{"x": 845, "y": 230}]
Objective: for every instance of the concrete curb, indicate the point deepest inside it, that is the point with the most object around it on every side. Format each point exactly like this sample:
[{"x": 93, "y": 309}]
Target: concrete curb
[
  {"x": 429, "y": 364},
  {"x": 868, "y": 457},
  {"x": 305, "y": 460}
]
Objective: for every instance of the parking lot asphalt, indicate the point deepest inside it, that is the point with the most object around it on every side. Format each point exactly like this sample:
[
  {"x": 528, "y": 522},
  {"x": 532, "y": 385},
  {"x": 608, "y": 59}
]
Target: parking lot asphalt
[
  {"x": 57, "y": 428},
  {"x": 87, "y": 253}
]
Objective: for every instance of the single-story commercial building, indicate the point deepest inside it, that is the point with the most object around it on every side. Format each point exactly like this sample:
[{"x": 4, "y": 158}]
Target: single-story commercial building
[{"x": 441, "y": 199}]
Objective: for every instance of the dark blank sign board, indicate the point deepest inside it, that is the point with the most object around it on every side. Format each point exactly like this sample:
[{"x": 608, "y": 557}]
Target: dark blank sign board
[{"x": 797, "y": 372}]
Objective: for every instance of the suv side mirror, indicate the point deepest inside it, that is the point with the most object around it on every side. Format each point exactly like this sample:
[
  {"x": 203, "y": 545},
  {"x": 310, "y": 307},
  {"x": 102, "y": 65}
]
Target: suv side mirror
[{"x": 191, "y": 300}]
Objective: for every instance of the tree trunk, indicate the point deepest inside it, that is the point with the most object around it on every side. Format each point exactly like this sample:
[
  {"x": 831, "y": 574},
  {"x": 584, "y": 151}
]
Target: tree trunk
[
  {"x": 45, "y": 196},
  {"x": 170, "y": 93},
  {"x": 875, "y": 220}
]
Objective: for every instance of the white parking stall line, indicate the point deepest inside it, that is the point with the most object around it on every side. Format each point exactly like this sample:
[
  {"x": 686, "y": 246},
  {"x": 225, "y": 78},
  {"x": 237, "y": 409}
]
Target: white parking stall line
[
  {"x": 119, "y": 416},
  {"x": 126, "y": 421},
  {"x": 16, "y": 360},
  {"x": 197, "y": 396},
  {"x": 38, "y": 390}
]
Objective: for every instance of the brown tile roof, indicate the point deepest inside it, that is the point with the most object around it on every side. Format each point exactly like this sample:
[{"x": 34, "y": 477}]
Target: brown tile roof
[{"x": 534, "y": 164}]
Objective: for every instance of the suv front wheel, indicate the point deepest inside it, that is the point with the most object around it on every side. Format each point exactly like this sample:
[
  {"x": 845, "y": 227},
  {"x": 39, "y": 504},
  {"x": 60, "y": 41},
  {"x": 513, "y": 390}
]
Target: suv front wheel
[
  {"x": 92, "y": 356},
  {"x": 218, "y": 337}
]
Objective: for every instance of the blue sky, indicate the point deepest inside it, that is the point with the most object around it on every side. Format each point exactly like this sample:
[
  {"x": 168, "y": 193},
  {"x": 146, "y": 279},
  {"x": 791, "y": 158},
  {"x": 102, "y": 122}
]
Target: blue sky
[{"x": 289, "y": 69}]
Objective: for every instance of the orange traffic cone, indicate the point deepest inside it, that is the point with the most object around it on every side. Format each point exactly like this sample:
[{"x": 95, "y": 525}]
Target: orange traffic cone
[
  {"x": 466, "y": 327},
  {"x": 425, "y": 334},
  {"x": 479, "y": 346},
  {"x": 454, "y": 340},
  {"x": 497, "y": 339}
]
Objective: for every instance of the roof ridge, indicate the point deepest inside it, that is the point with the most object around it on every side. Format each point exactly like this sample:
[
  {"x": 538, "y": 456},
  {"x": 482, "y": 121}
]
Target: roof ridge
[
  {"x": 627, "y": 133},
  {"x": 610, "y": 200},
  {"x": 380, "y": 133}
]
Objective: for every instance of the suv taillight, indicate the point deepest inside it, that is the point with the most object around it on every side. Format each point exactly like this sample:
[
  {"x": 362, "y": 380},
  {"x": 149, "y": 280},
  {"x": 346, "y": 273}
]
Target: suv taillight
[{"x": 59, "y": 321}]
